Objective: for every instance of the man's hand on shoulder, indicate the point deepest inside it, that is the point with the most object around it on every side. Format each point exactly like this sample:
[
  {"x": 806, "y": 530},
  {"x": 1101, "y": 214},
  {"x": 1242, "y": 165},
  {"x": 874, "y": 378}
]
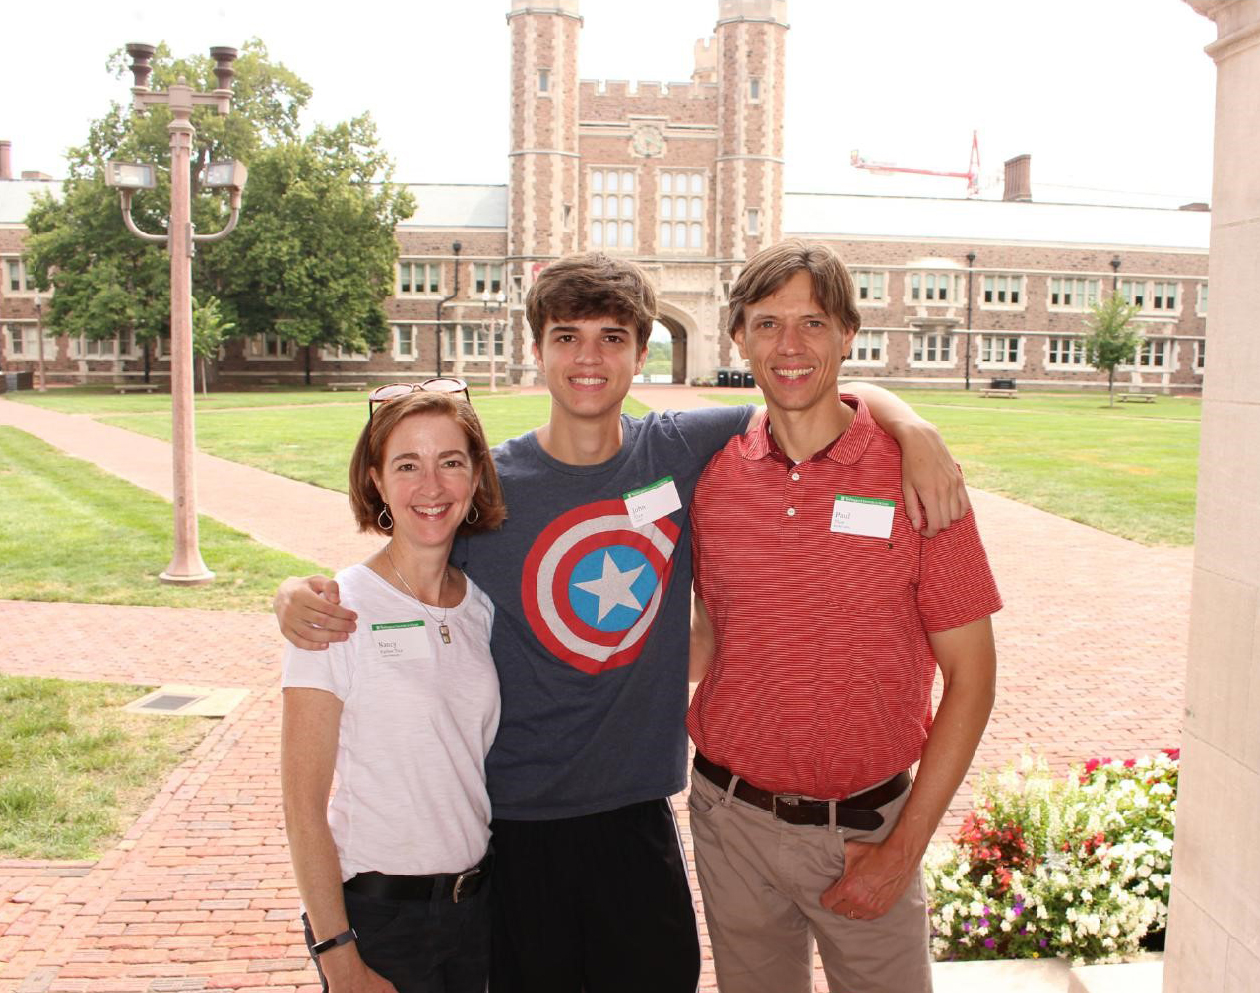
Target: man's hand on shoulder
[
  {"x": 310, "y": 614},
  {"x": 758, "y": 418},
  {"x": 875, "y": 877}
]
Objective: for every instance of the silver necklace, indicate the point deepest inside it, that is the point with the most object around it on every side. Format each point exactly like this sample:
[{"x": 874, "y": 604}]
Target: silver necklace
[{"x": 443, "y": 630}]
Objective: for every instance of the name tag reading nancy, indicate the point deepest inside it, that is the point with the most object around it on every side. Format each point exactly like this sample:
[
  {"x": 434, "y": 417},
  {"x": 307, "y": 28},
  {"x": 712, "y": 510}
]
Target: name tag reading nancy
[
  {"x": 652, "y": 502},
  {"x": 864, "y": 516},
  {"x": 402, "y": 640}
]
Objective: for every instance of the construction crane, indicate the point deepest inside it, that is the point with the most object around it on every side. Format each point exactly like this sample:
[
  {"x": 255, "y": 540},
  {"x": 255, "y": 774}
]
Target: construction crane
[{"x": 972, "y": 175}]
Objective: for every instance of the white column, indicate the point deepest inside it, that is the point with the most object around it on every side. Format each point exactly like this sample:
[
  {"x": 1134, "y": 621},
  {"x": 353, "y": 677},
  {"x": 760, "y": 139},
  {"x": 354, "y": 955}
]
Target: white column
[{"x": 1214, "y": 924}]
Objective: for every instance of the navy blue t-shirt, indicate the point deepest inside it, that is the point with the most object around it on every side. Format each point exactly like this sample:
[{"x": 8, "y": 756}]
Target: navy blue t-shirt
[{"x": 592, "y": 619}]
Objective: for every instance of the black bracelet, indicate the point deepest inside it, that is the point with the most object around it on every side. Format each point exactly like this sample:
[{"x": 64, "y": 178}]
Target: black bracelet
[{"x": 344, "y": 938}]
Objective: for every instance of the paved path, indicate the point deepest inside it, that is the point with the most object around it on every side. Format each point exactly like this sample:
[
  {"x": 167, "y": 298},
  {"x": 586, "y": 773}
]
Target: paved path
[{"x": 198, "y": 895}]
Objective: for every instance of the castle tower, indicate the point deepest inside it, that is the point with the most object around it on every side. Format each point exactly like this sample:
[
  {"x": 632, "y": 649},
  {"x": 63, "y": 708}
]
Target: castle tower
[
  {"x": 543, "y": 156},
  {"x": 751, "y": 35}
]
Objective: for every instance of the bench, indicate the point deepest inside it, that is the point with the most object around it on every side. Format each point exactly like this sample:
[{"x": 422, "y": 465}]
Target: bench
[
  {"x": 135, "y": 388},
  {"x": 333, "y": 387},
  {"x": 998, "y": 387},
  {"x": 1137, "y": 397}
]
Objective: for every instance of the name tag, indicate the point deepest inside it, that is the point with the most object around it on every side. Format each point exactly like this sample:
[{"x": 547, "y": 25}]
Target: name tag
[
  {"x": 402, "y": 640},
  {"x": 864, "y": 516},
  {"x": 651, "y": 503}
]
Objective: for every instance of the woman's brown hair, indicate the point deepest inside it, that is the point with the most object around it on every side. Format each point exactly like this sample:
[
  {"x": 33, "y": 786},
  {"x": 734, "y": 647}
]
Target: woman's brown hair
[{"x": 369, "y": 453}]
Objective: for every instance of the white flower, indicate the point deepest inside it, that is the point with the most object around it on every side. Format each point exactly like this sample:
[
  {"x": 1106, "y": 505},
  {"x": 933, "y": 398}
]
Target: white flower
[{"x": 1006, "y": 925}]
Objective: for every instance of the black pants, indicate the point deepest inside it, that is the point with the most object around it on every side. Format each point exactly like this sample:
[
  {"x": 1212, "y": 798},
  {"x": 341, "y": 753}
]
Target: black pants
[
  {"x": 421, "y": 946},
  {"x": 598, "y": 904}
]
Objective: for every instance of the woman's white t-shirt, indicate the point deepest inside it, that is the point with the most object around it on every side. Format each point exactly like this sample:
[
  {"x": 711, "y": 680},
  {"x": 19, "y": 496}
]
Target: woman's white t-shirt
[{"x": 417, "y": 719}]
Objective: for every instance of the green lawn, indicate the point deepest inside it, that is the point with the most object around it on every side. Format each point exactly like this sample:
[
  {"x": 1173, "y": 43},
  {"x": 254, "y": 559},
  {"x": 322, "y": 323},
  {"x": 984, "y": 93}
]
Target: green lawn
[
  {"x": 314, "y": 445},
  {"x": 70, "y": 532},
  {"x": 95, "y": 400},
  {"x": 1130, "y": 470},
  {"x": 75, "y": 769}
]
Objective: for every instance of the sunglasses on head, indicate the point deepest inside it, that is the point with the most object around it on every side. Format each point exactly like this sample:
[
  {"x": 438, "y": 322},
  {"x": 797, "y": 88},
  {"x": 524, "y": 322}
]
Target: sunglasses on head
[{"x": 439, "y": 384}]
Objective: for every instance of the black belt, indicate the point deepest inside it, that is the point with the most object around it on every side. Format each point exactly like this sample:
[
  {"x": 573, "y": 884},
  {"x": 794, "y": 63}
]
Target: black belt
[
  {"x": 455, "y": 885},
  {"x": 857, "y": 811}
]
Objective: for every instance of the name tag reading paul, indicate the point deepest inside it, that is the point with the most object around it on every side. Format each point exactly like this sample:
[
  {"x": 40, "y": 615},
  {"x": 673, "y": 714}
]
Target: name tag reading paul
[
  {"x": 402, "y": 640},
  {"x": 863, "y": 516},
  {"x": 651, "y": 503}
]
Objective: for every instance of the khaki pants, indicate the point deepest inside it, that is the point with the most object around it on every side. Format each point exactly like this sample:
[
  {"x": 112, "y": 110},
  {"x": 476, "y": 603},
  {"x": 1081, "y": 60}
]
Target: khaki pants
[{"x": 761, "y": 880}]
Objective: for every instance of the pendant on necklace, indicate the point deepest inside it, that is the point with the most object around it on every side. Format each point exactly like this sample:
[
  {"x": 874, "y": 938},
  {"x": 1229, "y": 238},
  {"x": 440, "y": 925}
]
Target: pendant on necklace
[{"x": 445, "y": 632}]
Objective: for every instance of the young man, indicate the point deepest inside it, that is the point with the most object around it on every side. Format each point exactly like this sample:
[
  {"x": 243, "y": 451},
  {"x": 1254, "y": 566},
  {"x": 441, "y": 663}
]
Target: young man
[
  {"x": 830, "y": 613},
  {"x": 591, "y": 579}
]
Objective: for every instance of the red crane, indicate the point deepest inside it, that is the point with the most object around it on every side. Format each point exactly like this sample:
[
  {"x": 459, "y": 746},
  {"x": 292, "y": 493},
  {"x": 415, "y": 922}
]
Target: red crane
[{"x": 972, "y": 175}]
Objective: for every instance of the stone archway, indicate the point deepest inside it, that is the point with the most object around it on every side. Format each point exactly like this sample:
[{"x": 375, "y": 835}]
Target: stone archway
[{"x": 680, "y": 325}]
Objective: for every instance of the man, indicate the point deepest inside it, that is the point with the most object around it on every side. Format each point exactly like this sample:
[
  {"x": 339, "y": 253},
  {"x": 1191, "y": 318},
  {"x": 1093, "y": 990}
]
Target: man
[
  {"x": 591, "y": 580},
  {"x": 829, "y": 613}
]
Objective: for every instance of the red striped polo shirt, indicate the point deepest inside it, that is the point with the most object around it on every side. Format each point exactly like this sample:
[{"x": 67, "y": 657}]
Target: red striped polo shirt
[{"x": 822, "y": 680}]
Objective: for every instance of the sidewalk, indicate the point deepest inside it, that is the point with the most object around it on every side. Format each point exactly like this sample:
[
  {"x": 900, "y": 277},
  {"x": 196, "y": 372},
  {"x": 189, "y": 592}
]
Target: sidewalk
[{"x": 199, "y": 896}]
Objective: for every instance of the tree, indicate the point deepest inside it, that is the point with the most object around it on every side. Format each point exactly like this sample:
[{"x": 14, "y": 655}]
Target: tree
[
  {"x": 109, "y": 282},
  {"x": 1111, "y": 341},
  {"x": 209, "y": 328},
  {"x": 314, "y": 257}
]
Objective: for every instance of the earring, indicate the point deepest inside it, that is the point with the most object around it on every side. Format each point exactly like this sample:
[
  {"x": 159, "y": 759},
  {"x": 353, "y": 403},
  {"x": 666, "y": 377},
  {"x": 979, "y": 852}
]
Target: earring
[
  {"x": 473, "y": 515},
  {"x": 380, "y": 519}
]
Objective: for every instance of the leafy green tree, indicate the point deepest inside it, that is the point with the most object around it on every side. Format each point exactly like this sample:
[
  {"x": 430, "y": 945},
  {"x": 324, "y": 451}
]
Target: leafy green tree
[
  {"x": 311, "y": 208},
  {"x": 1111, "y": 340},
  {"x": 313, "y": 259},
  {"x": 209, "y": 329}
]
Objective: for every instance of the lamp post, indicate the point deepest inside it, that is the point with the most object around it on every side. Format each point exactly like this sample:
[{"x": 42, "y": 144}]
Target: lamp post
[
  {"x": 492, "y": 305},
  {"x": 186, "y": 566},
  {"x": 39, "y": 341},
  {"x": 1115, "y": 272},
  {"x": 437, "y": 324}
]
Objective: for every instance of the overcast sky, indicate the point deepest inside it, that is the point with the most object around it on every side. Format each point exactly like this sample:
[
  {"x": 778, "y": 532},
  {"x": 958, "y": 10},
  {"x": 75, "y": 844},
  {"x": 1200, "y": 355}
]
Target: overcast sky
[{"x": 1108, "y": 96}]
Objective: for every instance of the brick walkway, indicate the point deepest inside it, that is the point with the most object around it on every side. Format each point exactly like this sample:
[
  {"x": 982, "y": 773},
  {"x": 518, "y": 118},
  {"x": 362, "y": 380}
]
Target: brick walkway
[{"x": 198, "y": 895}]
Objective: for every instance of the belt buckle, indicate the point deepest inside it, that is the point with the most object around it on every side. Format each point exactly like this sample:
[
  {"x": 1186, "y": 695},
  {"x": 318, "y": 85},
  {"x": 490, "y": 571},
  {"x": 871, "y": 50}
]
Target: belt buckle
[
  {"x": 462, "y": 878},
  {"x": 787, "y": 799}
]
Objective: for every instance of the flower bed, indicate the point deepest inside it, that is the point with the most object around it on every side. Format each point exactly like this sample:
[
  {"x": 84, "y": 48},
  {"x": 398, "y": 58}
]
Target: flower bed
[{"x": 1076, "y": 867}]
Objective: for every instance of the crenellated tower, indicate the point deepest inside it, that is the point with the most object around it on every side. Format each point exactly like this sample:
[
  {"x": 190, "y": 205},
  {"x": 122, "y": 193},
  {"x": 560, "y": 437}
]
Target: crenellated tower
[
  {"x": 543, "y": 155},
  {"x": 751, "y": 37}
]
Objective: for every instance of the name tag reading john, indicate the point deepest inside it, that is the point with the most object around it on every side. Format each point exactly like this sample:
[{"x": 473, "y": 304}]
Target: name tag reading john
[
  {"x": 402, "y": 640},
  {"x": 652, "y": 502},
  {"x": 863, "y": 516}
]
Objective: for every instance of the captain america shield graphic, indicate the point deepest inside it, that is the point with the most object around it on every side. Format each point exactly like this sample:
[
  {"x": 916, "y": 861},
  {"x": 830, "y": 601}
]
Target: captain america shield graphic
[{"x": 593, "y": 584}]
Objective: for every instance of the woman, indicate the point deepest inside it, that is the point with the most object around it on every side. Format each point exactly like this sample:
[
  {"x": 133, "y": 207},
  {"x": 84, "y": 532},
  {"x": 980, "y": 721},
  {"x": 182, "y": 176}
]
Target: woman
[{"x": 393, "y": 872}]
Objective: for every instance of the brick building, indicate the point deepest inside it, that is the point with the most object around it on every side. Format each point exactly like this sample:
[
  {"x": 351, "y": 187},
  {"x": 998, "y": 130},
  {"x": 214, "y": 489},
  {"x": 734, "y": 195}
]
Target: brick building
[{"x": 687, "y": 179}]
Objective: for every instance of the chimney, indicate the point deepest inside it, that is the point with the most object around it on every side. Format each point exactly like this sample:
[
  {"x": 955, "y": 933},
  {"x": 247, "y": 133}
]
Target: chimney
[
  {"x": 6, "y": 170},
  {"x": 1018, "y": 184}
]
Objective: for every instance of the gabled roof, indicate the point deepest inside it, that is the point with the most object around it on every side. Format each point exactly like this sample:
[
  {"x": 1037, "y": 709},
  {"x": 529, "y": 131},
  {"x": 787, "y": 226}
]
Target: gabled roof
[
  {"x": 18, "y": 195},
  {"x": 458, "y": 206},
  {"x": 920, "y": 218}
]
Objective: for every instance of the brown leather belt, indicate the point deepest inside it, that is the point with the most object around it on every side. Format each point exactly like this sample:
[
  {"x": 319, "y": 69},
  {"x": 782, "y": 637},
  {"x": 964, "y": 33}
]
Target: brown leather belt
[
  {"x": 857, "y": 811},
  {"x": 454, "y": 886}
]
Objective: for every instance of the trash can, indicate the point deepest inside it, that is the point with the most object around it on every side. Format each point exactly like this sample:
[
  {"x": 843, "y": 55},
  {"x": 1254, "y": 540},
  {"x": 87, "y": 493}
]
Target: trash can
[
  {"x": 741, "y": 378},
  {"x": 724, "y": 377}
]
